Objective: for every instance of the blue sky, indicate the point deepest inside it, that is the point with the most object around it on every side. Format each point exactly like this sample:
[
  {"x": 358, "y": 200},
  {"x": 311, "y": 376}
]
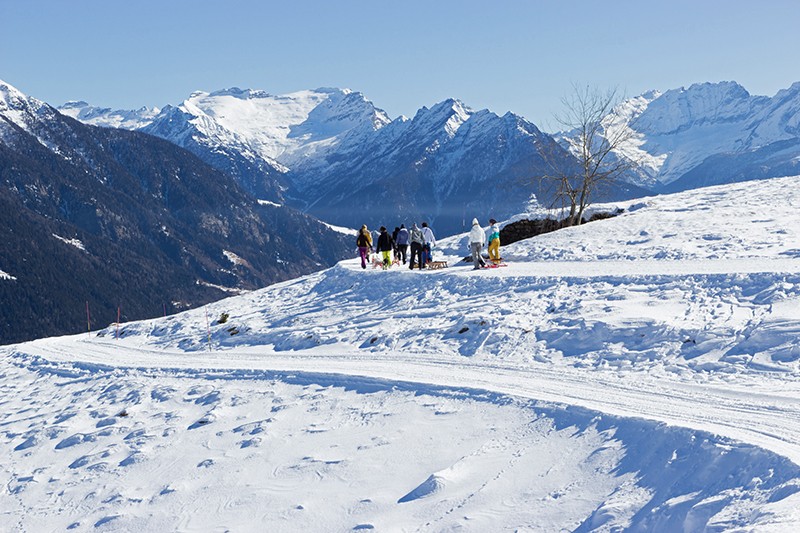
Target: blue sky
[{"x": 519, "y": 56}]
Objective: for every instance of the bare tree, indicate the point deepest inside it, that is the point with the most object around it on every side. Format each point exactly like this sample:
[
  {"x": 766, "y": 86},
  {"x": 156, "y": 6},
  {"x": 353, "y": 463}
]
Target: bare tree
[{"x": 594, "y": 141}]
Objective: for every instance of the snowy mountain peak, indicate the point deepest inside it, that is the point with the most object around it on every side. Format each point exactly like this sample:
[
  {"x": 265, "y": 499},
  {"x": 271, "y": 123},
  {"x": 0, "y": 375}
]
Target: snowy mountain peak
[
  {"x": 22, "y": 110},
  {"x": 106, "y": 117},
  {"x": 243, "y": 94},
  {"x": 74, "y": 104},
  {"x": 790, "y": 93},
  {"x": 449, "y": 114},
  {"x": 270, "y": 131},
  {"x": 730, "y": 88},
  {"x": 702, "y": 103},
  {"x": 452, "y": 106},
  {"x": 9, "y": 95},
  {"x": 673, "y": 132},
  {"x": 333, "y": 90},
  {"x": 13, "y": 102}
]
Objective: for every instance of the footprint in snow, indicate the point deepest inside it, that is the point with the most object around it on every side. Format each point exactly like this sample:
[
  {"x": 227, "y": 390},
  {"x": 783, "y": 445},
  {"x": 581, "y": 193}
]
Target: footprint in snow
[
  {"x": 30, "y": 442},
  {"x": 106, "y": 520},
  {"x": 253, "y": 428},
  {"x": 250, "y": 443},
  {"x": 135, "y": 457},
  {"x": 206, "y": 420}
]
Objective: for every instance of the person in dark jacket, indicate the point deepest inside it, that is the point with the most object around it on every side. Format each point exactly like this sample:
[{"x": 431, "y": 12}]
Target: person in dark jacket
[
  {"x": 384, "y": 246},
  {"x": 402, "y": 243}
]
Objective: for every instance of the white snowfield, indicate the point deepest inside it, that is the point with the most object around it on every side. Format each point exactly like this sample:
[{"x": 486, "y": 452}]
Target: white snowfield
[{"x": 638, "y": 373}]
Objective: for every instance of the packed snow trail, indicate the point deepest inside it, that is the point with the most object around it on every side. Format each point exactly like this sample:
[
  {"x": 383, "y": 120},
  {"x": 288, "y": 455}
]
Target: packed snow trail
[{"x": 748, "y": 412}]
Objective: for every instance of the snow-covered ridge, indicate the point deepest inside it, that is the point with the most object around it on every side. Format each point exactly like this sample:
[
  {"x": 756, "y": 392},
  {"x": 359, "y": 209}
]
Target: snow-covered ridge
[
  {"x": 678, "y": 129},
  {"x": 106, "y": 117},
  {"x": 285, "y": 128},
  {"x": 20, "y": 109}
]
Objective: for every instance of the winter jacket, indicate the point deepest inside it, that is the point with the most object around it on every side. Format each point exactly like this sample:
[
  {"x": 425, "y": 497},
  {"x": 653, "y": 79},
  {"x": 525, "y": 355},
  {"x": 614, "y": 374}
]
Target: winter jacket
[
  {"x": 476, "y": 234},
  {"x": 427, "y": 234},
  {"x": 494, "y": 232},
  {"x": 402, "y": 237},
  {"x": 385, "y": 242},
  {"x": 364, "y": 238},
  {"x": 416, "y": 235}
]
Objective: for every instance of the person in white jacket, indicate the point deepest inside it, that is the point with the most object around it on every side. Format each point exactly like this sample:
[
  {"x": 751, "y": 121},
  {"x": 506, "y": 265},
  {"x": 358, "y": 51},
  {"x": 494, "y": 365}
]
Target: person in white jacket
[
  {"x": 476, "y": 240},
  {"x": 430, "y": 242}
]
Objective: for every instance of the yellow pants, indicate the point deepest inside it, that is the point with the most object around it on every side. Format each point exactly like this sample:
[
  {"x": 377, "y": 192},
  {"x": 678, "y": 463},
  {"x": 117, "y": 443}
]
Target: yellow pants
[
  {"x": 387, "y": 258},
  {"x": 494, "y": 250}
]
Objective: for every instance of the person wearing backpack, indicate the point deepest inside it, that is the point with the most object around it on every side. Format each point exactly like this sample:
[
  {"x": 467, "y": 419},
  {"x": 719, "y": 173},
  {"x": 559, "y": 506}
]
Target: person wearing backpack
[
  {"x": 385, "y": 245},
  {"x": 494, "y": 241},
  {"x": 417, "y": 240},
  {"x": 364, "y": 243},
  {"x": 476, "y": 239},
  {"x": 402, "y": 243}
]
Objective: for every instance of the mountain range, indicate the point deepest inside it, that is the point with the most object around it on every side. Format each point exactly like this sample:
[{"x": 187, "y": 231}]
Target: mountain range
[
  {"x": 333, "y": 153},
  {"x": 121, "y": 222}
]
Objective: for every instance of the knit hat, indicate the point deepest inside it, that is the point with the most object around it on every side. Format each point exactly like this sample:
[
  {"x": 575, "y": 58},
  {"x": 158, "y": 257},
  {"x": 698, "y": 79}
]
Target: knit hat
[{"x": 475, "y": 221}]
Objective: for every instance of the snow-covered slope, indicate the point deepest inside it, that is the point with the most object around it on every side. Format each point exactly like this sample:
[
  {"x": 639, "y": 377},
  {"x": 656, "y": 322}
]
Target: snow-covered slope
[
  {"x": 18, "y": 110},
  {"x": 155, "y": 225},
  {"x": 286, "y": 128},
  {"x": 637, "y": 373},
  {"x": 677, "y": 130}
]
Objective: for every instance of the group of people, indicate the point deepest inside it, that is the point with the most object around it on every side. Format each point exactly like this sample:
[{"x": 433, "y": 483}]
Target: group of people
[{"x": 394, "y": 247}]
